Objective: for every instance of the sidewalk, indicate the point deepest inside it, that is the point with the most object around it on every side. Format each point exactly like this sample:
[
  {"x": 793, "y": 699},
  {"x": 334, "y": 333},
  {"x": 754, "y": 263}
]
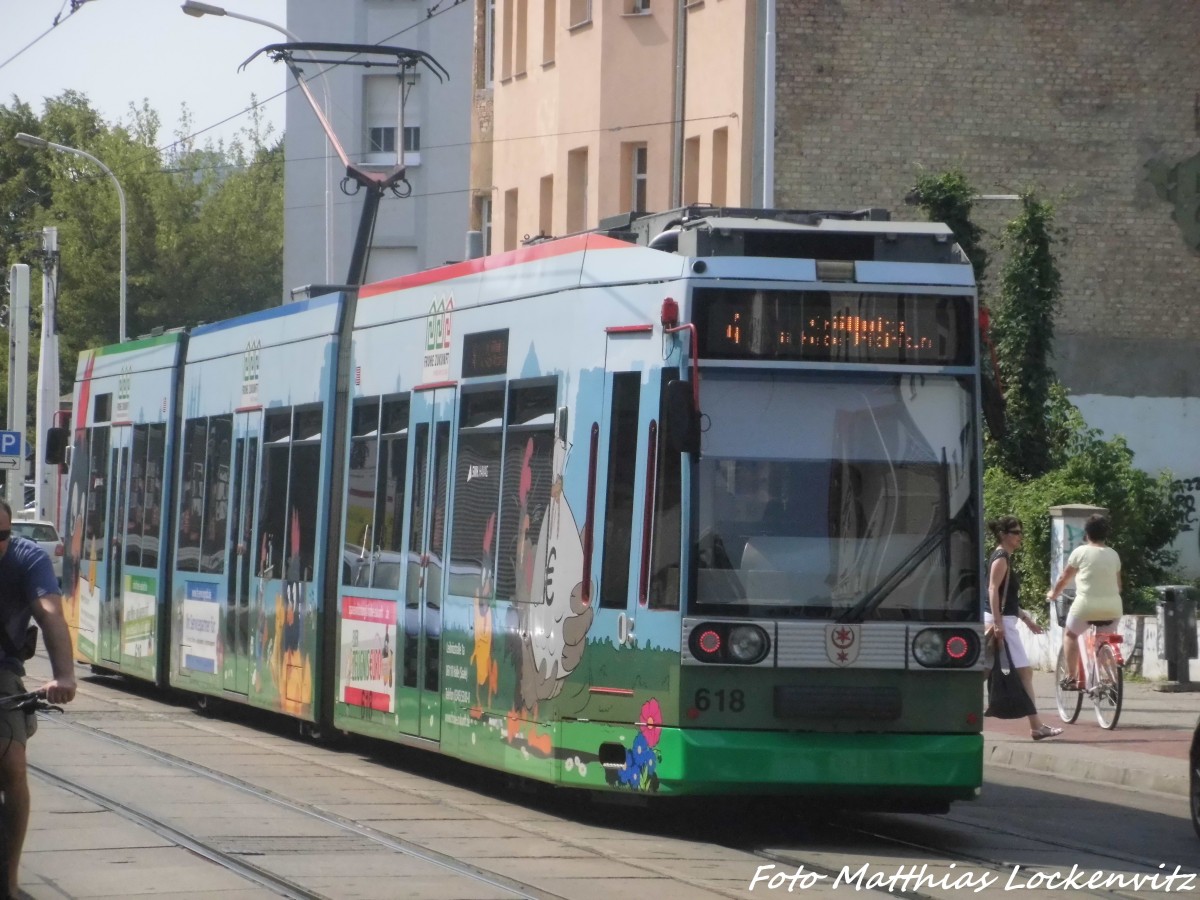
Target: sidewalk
[{"x": 1148, "y": 750}]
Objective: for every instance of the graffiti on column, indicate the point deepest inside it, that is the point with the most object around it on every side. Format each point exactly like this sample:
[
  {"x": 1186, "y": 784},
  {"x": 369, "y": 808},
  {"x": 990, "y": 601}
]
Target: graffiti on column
[{"x": 1183, "y": 495}]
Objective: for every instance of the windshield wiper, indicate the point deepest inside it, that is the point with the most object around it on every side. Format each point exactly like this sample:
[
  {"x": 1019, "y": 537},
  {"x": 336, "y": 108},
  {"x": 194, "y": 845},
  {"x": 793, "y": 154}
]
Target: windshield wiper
[{"x": 875, "y": 597}]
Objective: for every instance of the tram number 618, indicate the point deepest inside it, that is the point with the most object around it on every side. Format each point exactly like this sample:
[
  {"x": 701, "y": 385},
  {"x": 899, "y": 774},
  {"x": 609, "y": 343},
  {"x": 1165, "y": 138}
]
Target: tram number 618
[{"x": 721, "y": 701}]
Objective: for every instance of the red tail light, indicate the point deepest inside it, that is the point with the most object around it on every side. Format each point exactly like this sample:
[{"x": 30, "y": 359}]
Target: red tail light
[{"x": 58, "y": 549}]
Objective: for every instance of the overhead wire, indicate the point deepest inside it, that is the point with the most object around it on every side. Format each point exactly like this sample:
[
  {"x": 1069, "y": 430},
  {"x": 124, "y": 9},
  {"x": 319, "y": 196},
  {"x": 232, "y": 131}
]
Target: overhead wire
[{"x": 76, "y": 5}]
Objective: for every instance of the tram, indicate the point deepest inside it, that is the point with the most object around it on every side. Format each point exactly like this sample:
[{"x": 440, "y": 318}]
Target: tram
[{"x": 688, "y": 505}]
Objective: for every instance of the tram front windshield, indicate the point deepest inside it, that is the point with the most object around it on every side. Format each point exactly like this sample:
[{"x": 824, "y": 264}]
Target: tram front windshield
[{"x": 837, "y": 496}]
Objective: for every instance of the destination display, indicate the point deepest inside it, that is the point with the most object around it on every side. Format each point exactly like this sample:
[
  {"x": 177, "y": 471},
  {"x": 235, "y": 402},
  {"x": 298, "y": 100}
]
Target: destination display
[
  {"x": 485, "y": 353},
  {"x": 829, "y": 326}
]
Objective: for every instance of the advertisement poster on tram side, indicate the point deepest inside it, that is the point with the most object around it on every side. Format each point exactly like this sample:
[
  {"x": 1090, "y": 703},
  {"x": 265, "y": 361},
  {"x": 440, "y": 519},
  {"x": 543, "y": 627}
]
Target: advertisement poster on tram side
[
  {"x": 137, "y": 616},
  {"x": 367, "y": 653},
  {"x": 201, "y": 621},
  {"x": 88, "y": 636}
]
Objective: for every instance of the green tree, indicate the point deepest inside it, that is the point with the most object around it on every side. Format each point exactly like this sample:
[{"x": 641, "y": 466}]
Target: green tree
[
  {"x": 948, "y": 197},
  {"x": 1089, "y": 469},
  {"x": 204, "y": 225},
  {"x": 1048, "y": 456},
  {"x": 1023, "y": 330}
]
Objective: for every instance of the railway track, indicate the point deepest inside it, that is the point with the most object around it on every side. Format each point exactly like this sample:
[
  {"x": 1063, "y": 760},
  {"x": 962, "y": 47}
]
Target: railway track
[
  {"x": 297, "y": 819},
  {"x": 232, "y": 854}
]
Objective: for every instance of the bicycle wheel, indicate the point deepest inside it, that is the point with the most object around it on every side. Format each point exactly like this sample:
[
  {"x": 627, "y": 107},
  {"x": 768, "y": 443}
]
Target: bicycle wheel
[
  {"x": 1109, "y": 688},
  {"x": 1069, "y": 702}
]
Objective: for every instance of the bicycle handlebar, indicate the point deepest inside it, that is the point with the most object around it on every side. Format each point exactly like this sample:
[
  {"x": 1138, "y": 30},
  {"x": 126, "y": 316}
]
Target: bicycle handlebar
[{"x": 30, "y": 701}]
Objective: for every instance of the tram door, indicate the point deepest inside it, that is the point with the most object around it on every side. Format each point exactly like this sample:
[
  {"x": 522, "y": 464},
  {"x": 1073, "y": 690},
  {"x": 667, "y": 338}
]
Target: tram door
[
  {"x": 236, "y": 639},
  {"x": 113, "y": 591},
  {"x": 419, "y": 702}
]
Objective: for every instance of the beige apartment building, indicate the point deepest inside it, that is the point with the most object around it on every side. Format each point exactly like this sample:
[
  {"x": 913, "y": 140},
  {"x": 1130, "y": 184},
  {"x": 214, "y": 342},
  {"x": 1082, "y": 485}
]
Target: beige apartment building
[
  {"x": 589, "y": 108},
  {"x": 586, "y": 109}
]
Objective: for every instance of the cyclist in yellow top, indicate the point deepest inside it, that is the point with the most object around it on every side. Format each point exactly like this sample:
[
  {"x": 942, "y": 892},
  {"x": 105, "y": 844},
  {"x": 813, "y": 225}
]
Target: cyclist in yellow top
[{"x": 1096, "y": 568}]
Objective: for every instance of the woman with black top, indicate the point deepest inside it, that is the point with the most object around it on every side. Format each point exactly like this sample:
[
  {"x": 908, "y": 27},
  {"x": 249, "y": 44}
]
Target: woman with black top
[{"x": 1004, "y": 611}]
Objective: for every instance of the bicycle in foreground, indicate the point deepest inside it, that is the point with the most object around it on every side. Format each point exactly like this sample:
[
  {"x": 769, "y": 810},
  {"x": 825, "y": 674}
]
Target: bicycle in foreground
[
  {"x": 31, "y": 701},
  {"x": 1101, "y": 671}
]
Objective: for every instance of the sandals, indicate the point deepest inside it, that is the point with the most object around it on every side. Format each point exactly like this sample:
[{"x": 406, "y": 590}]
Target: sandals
[
  {"x": 1069, "y": 684},
  {"x": 1046, "y": 731}
]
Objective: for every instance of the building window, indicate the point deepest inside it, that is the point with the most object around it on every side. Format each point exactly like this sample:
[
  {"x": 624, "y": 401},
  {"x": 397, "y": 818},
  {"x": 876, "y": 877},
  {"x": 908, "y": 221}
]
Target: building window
[
  {"x": 485, "y": 224},
  {"x": 634, "y": 165},
  {"x": 720, "y": 165},
  {"x": 510, "y": 219},
  {"x": 691, "y": 170},
  {"x": 489, "y": 52},
  {"x": 581, "y": 12},
  {"x": 412, "y": 157},
  {"x": 577, "y": 190},
  {"x": 522, "y": 36},
  {"x": 639, "y": 178},
  {"x": 637, "y": 7},
  {"x": 506, "y": 40},
  {"x": 381, "y": 140},
  {"x": 381, "y": 112},
  {"x": 546, "y": 206},
  {"x": 549, "y": 19}
]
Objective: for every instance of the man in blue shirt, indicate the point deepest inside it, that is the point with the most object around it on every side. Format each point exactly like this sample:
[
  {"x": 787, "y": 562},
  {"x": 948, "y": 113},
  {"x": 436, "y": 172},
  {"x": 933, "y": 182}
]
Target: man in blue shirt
[{"x": 28, "y": 589}]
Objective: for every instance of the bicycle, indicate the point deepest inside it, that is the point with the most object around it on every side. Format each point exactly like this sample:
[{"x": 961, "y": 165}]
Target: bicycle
[
  {"x": 31, "y": 701},
  {"x": 1100, "y": 676}
]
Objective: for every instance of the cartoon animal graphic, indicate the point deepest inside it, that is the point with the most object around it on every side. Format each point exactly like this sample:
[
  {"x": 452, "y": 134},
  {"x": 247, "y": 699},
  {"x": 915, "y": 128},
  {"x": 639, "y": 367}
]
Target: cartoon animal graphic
[
  {"x": 292, "y": 669},
  {"x": 263, "y": 649},
  {"x": 487, "y": 673},
  {"x": 554, "y": 612}
]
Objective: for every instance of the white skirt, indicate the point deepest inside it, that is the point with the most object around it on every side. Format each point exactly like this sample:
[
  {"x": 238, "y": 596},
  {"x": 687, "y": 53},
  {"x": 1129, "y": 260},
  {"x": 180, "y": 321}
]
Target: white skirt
[{"x": 1013, "y": 638}]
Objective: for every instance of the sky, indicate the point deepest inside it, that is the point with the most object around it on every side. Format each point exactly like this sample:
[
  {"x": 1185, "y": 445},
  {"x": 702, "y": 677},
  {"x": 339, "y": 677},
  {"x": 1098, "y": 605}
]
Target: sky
[{"x": 118, "y": 52}]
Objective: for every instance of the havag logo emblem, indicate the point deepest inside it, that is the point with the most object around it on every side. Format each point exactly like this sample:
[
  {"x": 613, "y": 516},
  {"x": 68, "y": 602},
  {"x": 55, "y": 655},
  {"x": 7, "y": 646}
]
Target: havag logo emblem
[{"x": 437, "y": 326}]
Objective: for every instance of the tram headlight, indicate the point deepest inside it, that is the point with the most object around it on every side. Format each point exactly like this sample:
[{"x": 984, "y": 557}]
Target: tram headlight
[
  {"x": 946, "y": 648},
  {"x": 748, "y": 644},
  {"x": 729, "y": 643}
]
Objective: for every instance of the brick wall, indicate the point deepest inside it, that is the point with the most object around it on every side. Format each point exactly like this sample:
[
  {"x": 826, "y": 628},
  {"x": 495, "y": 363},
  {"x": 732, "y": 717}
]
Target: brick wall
[{"x": 1094, "y": 102}]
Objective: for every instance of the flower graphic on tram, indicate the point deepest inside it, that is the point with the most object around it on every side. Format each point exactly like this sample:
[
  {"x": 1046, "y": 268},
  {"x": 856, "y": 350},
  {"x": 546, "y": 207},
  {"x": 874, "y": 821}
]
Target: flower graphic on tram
[
  {"x": 651, "y": 724},
  {"x": 640, "y": 772}
]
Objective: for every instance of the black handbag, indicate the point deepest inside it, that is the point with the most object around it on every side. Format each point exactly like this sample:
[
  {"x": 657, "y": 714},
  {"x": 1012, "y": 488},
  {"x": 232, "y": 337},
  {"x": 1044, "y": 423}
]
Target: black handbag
[{"x": 1007, "y": 698}]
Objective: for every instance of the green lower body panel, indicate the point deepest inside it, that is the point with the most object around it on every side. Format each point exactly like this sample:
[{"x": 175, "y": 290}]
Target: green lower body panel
[{"x": 948, "y": 766}]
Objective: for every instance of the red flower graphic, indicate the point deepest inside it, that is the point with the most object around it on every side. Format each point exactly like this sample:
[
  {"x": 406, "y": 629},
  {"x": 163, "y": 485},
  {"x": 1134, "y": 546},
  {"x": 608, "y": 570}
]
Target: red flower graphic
[{"x": 651, "y": 725}]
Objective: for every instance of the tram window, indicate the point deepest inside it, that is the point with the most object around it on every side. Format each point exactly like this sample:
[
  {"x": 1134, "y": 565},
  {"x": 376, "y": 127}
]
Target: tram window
[
  {"x": 137, "y": 497},
  {"x": 664, "y": 567},
  {"x": 307, "y": 426},
  {"x": 102, "y": 408},
  {"x": 389, "y": 494},
  {"x": 191, "y": 507},
  {"x": 156, "y": 444},
  {"x": 618, "y": 499},
  {"x": 477, "y": 485},
  {"x": 272, "y": 512},
  {"x": 116, "y": 506},
  {"x": 360, "y": 486},
  {"x": 525, "y": 494},
  {"x": 97, "y": 514},
  {"x": 304, "y": 480},
  {"x": 216, "y": 493}
]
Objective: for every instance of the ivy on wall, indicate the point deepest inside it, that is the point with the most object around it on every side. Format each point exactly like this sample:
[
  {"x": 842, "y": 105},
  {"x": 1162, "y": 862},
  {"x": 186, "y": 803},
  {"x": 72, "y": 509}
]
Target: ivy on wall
[{"x": 1043, "y": 454}]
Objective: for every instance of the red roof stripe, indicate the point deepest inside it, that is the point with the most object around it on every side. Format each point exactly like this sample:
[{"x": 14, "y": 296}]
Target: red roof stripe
[{"x": 546, "y": 250}]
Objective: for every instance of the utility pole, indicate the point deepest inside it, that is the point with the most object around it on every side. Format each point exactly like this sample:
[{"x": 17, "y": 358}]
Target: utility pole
[
  {"x": 46, "y": 485},
  {"x": 18, "y": 376}
]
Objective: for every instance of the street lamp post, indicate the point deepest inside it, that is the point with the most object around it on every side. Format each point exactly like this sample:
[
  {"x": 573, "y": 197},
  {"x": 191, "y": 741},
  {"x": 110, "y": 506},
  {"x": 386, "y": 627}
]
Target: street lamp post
[
  {"x": 30, "y": 141},
  {"x": 197, "y": 9}
]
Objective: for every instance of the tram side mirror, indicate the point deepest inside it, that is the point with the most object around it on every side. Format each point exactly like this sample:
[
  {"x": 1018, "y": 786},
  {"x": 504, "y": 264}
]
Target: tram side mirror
[
  {"x": 56, "y": 446},
  {"x": 681, "y": 418}
]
